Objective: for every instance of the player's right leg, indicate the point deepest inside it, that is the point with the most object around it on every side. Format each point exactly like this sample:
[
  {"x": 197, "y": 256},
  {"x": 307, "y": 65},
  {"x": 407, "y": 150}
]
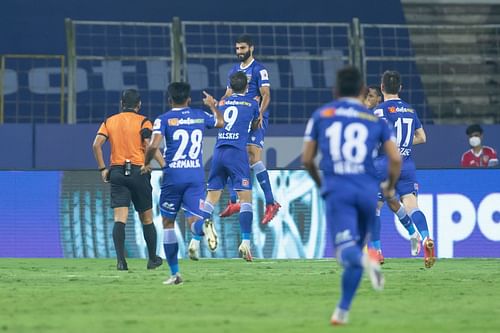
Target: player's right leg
[
  {"x": 171, "y": 247},
  {"x": 246, "y": 217},
  {"x": 141, "y": 189},
  {"x": 212, "y": 198},
  {"x": 410, "y": 201},
  {"x": 407, "y": 223},
  {"x": 120, "y": 201},
  {"x": 170, "y": 203},
  {"x": 341, "y": 217},
  {"x": 255, "y": 145},
  {"x": 192, "y": 204},
  {"x": 375, "y": 232}
]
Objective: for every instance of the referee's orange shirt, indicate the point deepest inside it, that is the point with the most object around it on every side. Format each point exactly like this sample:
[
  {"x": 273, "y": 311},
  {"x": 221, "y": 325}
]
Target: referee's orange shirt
[{"x": 124, "y": 132}]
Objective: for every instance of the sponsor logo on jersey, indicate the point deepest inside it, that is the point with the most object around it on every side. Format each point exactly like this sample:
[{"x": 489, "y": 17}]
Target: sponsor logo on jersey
[
  {"x": 201, "y": 204},
  {"x": 327, "y": 113},
  {"x": 173, "y": 122},
  {"x": 402, "y": 109}
]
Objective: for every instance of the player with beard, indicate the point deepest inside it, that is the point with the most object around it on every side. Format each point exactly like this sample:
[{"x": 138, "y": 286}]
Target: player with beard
[{"x": 258, "y": 89}]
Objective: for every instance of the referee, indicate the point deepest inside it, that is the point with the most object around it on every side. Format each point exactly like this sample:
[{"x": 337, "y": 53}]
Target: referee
[{"x": 128, "y": 134}]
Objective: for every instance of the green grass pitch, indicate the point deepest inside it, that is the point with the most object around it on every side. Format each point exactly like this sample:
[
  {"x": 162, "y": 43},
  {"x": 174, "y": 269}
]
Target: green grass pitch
[{"x": 89, "y": 295}]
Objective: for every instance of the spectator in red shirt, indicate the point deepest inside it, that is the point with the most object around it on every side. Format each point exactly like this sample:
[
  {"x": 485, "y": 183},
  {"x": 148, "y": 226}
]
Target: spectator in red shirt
[{"x": 478, "y": 156}]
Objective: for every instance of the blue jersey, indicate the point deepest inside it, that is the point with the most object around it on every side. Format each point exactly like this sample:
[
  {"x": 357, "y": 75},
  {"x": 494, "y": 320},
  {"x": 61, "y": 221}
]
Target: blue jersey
[
  {"x": 183, "y": 129},
  {"x": 257, "y": 76},
  {"x": 347, "y": 134},
  {"x": 403, "y": 118},
  {"x": 239, "y": 111}
]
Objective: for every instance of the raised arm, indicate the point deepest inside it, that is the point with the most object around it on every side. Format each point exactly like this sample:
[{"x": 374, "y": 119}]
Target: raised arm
[{"x": 209, "y": 101}]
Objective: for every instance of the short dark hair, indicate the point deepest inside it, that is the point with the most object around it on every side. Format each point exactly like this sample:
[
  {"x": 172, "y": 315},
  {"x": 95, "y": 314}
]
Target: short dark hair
[
  {"x": 247, "y": 39},
  {"x": 391, "y": 81},
  {"x": 473, "y": 129},
  {"x": 179, "y": 92},
  {"x": 130, "y": 99},
  {"x": 238, "y": 82},
  {"x": 377, "y": 89},
  {"x": 349, "y": 82}
]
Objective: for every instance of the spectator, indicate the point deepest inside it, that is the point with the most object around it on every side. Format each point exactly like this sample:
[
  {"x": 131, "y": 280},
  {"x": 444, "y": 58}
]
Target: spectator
[{"x": 478, "y": 156}]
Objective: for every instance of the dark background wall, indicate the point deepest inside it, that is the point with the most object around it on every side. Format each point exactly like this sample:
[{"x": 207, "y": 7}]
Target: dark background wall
[
  {"x": 56, "y": 147},
  {"x": 35, "y": 26}
]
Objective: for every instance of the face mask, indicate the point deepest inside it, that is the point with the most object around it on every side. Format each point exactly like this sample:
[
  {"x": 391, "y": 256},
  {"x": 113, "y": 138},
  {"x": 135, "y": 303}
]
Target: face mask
[{"x": 474, "y": 141}]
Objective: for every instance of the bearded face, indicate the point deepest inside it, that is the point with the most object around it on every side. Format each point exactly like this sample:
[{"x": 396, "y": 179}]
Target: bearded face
[{"x": 243, "y": 51}]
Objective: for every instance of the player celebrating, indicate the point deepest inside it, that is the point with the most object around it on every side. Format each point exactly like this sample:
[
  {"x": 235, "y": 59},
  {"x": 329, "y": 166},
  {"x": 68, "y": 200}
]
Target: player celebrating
[
  {"x": 409, "y": 132},
  {"x": 347, "y": 133},
  {"x": 258, "y": 89},
  {"x": 183, "y": 175},
  {"x": 230, "y": 159}
]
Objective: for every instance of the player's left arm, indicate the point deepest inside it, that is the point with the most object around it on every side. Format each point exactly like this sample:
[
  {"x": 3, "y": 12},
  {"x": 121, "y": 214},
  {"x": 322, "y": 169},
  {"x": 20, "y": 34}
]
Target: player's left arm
[
  {"x": 419, "y": 136},
  {"x": 97, "y": 149},
  {"x": 309, "y": 151},
  {"x": 265, "y": 92},
  {"x": 152, "y": 149}
]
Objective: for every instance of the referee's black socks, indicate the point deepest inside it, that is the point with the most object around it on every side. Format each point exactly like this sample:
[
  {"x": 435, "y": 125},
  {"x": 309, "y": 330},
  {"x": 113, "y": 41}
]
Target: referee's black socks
[
  {"x": 149, "y": 231},
  {"x": 119, "y": 240}
]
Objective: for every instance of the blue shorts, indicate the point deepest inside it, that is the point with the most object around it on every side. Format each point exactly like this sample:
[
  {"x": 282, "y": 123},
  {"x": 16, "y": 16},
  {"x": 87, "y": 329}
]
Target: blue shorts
[
  {"x": 407, "y": 183},
  {"x": 256, "y": 137},
  {"x": 188, "y": 196},
  {"x": 350, "y": 213},
  {"x": 229, "y": 162}
]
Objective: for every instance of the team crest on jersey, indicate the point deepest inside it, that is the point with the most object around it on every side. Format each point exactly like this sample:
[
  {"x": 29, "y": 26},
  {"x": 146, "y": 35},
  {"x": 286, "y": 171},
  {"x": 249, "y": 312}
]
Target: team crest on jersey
[
  {"x": 327, "y": 113},
  {"x": 392, "y": 109},
  {"x": 157, "y": 124},
  {"x": 245, "y": 182},
  {"x": 263, "y": 75},
  {"x": 173, "y": 122}
]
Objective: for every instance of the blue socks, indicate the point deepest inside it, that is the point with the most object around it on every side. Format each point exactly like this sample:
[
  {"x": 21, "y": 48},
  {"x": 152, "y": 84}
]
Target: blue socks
[
  {"x": 246, "y": 217},
  {"x": 405, "y": 220},
  {"x": 375, "y": 242},
  {"x": 353, "y": 271},
  {"x": 263, "y": 177},
  {"x": 197, "y": 229},
  {"x": 171, "y": 248},
  {"x": 419, "y": 219},
  {"x": 207, "y": 210}
]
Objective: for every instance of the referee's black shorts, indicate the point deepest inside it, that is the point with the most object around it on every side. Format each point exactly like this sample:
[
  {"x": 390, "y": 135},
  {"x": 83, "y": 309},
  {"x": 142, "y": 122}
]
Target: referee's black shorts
[{"x": 135, "y": 187}]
